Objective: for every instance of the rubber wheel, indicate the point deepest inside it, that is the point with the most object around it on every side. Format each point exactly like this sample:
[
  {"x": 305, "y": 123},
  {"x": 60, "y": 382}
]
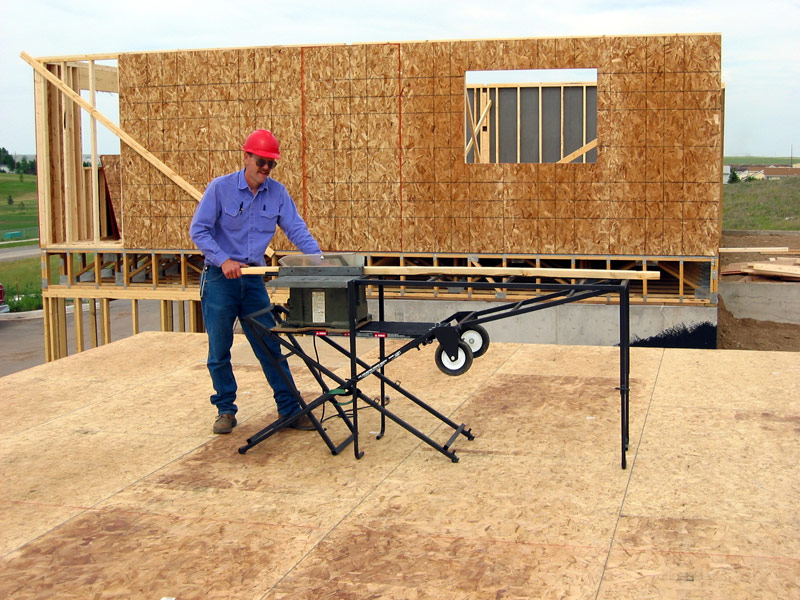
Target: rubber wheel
[
  {"x": 477, "y": 339},
  {"x": 460, "y": 365}
]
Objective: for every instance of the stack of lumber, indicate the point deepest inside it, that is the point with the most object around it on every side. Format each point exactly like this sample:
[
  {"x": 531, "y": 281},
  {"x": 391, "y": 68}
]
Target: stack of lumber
[{"x": 780, "y": 267}]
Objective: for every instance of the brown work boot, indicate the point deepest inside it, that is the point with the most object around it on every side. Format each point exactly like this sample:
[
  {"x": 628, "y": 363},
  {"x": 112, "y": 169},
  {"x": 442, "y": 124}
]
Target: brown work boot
[
  {"x": 224, "y": 423},
  {"x": 303, "y": 423}
]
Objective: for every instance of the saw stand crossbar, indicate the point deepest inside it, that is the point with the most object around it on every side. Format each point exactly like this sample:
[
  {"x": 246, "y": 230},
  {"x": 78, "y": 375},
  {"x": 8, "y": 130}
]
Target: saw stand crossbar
[{"x": 448, "y": 333}]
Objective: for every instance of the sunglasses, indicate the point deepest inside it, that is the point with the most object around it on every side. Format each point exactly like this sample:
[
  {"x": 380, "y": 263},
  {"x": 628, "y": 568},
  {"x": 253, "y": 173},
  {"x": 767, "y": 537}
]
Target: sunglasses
[{"x": 262, "y": 162}]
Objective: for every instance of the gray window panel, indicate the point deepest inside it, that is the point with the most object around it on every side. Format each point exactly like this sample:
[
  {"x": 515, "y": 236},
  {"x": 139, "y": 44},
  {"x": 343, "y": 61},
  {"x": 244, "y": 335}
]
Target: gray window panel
[
  {"x": 551, "y": 125},
  {"x": 507, "y": 105},
  {"x": 513, "y": 129},
  {"x": 573, "y": 120},
  {"x": 529, "y": 125},
  {"x": 591, "y": 121},
  {"x": 467, "y": 129},
  {"x": 491, "y": 119}
]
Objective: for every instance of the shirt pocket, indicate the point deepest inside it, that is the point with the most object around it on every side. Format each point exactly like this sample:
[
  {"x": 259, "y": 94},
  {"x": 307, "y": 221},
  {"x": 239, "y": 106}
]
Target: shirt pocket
[
  {"x": 232, "y": 218},
  {"x": 267, "y": 219}
]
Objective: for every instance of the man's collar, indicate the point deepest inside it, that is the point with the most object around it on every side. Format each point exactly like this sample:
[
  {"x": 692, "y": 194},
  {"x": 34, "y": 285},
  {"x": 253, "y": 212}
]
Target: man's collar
[
  {"x": 243, "y": 185},
  {"x": 242, "y": 181}
]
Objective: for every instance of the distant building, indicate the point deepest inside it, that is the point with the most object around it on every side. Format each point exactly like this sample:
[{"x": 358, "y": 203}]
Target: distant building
[
  {"x": 781, "y": 172},
  {"x": 765, "y": 171}
]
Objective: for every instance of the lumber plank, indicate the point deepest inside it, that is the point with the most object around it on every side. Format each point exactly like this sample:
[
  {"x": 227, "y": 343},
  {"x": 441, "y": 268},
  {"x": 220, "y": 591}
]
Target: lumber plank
[
  {"x": 775, "y": 270},
  {"x": 786, "y": 260},
  {"x": 492, "y": 271},
  {"x": 579, "y": 152},
  {"x": 133, "y": 292},
  {"x": 768, "y": 250},
  {"x": 515, "y": 272},
  {"x": 105, "y": 78},
  {"x": 735, "y": 269},
  {"x": 69, "y": 150},
  {"x": 43, "y": 158},
  {"x": 95, "y": 187}
]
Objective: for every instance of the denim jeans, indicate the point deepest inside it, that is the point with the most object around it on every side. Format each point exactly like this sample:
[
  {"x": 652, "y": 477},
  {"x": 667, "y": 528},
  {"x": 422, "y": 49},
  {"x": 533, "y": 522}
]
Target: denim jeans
[{"x": 222, "y": 301}]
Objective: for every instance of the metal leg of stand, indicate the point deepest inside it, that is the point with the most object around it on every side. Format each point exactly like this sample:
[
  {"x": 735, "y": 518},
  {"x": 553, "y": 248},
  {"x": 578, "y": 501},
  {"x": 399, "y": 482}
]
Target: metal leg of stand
[
  {"x": 381, "y": 357},
  {"x": 306, "y": 409},
  {"x": 372, "y": 370},
  {"x": 624, "y": 369},
  {"x": 395, "y": 386},
  {"x": 279, "y": 424},
  {"x": 351, "y": 305},
  {"x": 444, "y": 449}
]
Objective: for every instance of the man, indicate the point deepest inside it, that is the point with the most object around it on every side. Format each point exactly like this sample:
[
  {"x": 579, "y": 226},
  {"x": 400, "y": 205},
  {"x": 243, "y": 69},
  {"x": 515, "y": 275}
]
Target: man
[{"x": 232, "y": 226}]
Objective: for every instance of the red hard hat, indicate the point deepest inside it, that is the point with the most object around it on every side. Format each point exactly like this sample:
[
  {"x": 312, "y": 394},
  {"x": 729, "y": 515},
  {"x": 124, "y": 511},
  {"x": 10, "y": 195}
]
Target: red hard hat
[{"x": 262, "y": 143}]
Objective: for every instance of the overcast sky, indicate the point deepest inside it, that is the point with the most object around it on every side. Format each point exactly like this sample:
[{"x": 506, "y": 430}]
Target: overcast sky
[{"x": 760, "y": 44}]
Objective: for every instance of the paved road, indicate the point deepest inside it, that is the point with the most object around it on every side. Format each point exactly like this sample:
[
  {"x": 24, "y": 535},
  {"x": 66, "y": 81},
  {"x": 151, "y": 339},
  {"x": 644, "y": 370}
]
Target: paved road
[
  {"x": 22, "y": 334},
  {"x": 18, "y": 252}
]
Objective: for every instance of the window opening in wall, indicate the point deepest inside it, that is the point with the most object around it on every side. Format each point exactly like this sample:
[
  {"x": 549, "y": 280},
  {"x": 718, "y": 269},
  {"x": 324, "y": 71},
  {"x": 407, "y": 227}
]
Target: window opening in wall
[
  {"x": 105, "y": 100},
  {"x": 530, "y": 116},
  {"x": 96, "y": 141}
]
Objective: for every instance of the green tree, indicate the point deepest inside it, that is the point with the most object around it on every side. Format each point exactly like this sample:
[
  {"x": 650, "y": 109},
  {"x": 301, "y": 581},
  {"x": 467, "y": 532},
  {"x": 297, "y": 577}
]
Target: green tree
[
  {"x": 26, "y": 167},
  {"x": 6, "y": 159},
  {"x": 10, "y": 200},
  {"x": 733, "y": 177}
]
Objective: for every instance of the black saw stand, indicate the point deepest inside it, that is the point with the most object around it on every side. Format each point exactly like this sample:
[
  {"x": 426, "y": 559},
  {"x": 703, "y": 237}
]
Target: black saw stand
[{"x": 461, "y": 338}]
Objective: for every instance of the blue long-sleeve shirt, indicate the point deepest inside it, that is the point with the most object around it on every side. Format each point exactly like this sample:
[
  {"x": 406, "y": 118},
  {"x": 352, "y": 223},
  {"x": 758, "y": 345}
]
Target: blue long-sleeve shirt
[{"x": 230, "y": 222}]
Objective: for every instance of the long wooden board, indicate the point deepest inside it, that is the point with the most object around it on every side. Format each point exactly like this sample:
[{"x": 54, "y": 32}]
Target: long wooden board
[{"x": 493, "y": 272}]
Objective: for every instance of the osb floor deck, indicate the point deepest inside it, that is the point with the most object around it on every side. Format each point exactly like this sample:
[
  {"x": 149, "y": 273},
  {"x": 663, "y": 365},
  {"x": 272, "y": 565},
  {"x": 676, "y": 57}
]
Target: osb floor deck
[{"x": 113, "y": 486}]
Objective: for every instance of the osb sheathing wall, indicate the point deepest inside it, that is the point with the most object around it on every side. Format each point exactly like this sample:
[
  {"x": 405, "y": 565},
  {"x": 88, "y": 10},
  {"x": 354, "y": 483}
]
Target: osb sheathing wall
[{"x": 372, "y": 138}]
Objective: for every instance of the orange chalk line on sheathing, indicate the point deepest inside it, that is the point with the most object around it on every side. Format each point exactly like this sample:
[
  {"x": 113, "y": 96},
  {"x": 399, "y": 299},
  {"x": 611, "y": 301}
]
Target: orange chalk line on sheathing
[
  {"x": 400, "y": 132},
  {"x": 303, "y": 129}
]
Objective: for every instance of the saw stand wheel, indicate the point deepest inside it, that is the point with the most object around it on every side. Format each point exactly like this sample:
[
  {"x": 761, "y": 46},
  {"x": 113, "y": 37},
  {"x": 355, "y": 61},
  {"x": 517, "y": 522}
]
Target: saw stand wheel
[
  {"x": 454, "y": 366},
  {"x": 477, "y": 338}
]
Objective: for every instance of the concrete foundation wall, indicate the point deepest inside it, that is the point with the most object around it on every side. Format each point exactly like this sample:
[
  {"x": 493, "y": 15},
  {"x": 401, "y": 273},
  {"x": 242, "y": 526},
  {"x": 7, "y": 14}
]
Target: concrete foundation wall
[
  {"x": 778, "y": 302},
  {"x": 569, "y": 324}
]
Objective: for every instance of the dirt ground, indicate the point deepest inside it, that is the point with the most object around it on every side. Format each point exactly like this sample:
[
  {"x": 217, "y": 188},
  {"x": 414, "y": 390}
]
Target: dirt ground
[{"x": 751, "y": 334}]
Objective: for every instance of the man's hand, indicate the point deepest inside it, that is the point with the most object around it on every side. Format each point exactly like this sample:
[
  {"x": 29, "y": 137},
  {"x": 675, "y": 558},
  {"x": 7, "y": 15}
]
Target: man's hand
[{"x": 232, "y": 269}]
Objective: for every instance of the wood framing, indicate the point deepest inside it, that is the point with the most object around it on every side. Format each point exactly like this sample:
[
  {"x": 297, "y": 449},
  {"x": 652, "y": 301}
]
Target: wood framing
[
  {"x": 531, "y": 122},
  {"x": 373, "y": 140}
]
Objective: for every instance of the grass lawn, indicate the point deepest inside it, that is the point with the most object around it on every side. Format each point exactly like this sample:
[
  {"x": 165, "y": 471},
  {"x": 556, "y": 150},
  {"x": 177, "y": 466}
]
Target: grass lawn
[
  {"x": 22, "y": 280},
  {"x": 23, "y": 211},
  {"x": 761, "y": 160},
  {"x": 762, "y": 205},
  {"x": 24, "y": 190}
]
